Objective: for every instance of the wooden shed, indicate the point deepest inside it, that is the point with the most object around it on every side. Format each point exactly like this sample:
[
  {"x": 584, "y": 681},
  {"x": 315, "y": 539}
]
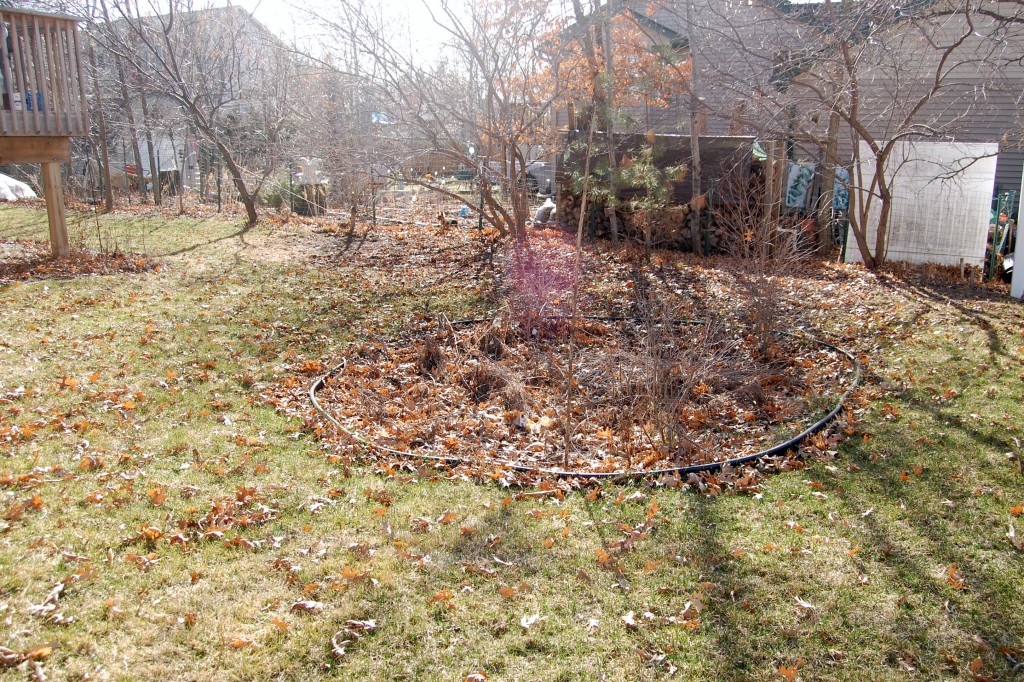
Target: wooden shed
[{"x": 44, "y": 102}]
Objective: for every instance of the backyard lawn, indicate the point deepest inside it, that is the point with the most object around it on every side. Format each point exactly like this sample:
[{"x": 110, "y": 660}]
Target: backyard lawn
[{"x": 171, "y": 507}]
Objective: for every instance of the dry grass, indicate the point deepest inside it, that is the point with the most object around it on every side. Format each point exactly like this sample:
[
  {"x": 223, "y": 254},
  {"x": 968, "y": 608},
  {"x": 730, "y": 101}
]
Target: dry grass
[{"x": 450, "y": 571}]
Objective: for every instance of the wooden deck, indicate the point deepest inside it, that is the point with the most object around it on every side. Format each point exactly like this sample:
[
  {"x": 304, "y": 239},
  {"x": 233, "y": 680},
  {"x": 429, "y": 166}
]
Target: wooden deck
[
  {"x": 41, "y": 76},
  {"x": 42, "y": 102}
]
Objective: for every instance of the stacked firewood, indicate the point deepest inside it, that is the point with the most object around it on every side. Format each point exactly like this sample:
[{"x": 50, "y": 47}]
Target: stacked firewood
[{"x": 669, "y": 227}]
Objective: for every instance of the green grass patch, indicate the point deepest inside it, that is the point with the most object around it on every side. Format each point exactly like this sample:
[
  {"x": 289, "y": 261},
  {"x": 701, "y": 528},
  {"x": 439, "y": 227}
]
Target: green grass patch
[{"x": 131, "y": 411}]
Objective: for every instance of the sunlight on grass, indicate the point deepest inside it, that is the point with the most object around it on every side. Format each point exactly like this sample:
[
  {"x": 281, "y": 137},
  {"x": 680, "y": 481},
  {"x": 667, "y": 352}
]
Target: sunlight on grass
[{"x": 186, "y": 518}]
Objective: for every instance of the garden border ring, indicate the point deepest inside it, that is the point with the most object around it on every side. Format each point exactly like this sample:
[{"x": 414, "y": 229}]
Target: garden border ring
[{"x": 559, "y": 473}]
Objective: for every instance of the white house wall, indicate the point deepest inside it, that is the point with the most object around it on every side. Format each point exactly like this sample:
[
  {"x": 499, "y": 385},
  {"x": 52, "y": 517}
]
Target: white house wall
[{"x": 942, "y": 198}]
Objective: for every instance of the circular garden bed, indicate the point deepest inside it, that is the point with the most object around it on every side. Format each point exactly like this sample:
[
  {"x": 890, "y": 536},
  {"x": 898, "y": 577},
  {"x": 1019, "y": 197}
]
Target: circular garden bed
[{"x": 645, "y": 394}]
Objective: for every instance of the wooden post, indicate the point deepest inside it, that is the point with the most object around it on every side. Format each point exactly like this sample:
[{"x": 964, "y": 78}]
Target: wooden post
[
  {"x": 698, "y": 117},
  {"x": 54, "y": 190},
  {"x": 828, "y": 181}
]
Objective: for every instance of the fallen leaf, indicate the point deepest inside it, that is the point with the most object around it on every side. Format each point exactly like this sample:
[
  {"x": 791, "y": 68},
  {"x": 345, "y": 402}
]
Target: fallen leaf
[
  {"x": 789, "y": 673},
  {"x": 338, "y": 645},
  {"x": 1014, "y": 540},
  {"x": 954, "y": 578},
  {"x": 156, "y": 496},
  {"x": 368, "y": 625},
  {"x": 441, "y": 597},
  {"x": 39, "y": 653},
  {"x": 529, "y": 621}
]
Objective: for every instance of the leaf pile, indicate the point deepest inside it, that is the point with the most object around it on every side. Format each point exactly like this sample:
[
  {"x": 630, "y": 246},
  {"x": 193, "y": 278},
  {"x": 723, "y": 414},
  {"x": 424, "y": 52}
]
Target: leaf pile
[
  {"x": 25, "y": 260},
  {"x": 485, "y": 394}
]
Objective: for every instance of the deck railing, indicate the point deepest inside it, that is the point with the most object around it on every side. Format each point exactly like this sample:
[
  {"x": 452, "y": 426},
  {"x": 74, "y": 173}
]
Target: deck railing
[{"x": 41, "y": 75}]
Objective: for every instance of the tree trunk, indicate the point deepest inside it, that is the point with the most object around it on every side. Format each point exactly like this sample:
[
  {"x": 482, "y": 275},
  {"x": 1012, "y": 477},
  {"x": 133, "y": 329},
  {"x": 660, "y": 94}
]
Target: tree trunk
[
  {"x": 828, "y": 182},
  {"x": 860, "y": 205},
  {"x": 884, "y": 205},
  {"x": 206, "y": 127},
  {"x": 133, "y": 135},
  {"x": 248, "y": 200},
  {"x": 154, "y": 167},
  {"x": 128, "y": 115},
  {"x": 519, "y": 186},
  {"x": 695, "y": 101},
  {"x": 609, "y": 136},
  {"x": 108, "y": 189},
  {"x": 881, "y": 235}
]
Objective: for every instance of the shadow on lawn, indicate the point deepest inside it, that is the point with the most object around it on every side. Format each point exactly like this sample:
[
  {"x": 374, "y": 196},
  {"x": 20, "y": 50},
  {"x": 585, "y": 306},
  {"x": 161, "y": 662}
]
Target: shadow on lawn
[
  {"x": 937, "y": 519},
  {"x": 970, "y": 304},
  {"x": 238, "y": 234},
  {"x": 909, "y": 613}
]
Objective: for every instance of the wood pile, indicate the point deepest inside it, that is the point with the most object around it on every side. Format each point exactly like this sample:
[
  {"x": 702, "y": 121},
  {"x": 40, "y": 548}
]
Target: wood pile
[
  {"x": 310, "y": 200},
  {"x": 669, "y": 227}
]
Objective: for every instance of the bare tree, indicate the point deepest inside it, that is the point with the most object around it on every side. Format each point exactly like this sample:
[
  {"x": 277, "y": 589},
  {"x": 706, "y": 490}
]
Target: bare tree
[
  {"x": 839, "y": 80},
  {"x": 477, "y": 104},
  {"x": 228, "y": 76},
  {"x": 102, "y": 138},
  {"x": 890, "y": 74}
]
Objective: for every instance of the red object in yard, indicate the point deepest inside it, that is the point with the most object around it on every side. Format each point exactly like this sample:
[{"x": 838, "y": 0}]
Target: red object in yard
[{"x": 130, "y": 169}]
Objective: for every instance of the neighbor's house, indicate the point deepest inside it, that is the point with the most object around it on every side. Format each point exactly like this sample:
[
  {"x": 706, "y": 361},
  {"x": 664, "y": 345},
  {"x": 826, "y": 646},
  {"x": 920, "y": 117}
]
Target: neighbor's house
[
  {"x": 931, "y": 93},
  {"x": 763, "y": 67},
  {"x": 749, "y": 52},
  {"x": 736, "y": 47},
  {"x": 711, "y": 81}
]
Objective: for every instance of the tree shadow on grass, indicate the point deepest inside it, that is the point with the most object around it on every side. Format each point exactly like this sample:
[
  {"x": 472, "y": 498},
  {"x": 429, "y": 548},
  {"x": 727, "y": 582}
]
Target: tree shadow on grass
[
  {"x": 350, "y": 240},
  {"x": 970, "y": 304},
  {"x": 908, "y": 614},
  {"x": 239, "y": 234},
  {"x": 934, "y": 520}
]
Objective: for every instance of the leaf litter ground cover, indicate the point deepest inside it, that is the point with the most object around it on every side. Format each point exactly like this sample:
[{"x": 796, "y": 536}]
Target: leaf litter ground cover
[
  {"x": 646, "y": 397},
  {"x": 138, "y": 431},
  {"x": 22, "y": 260},
  {"x": 655, "y": 391}
]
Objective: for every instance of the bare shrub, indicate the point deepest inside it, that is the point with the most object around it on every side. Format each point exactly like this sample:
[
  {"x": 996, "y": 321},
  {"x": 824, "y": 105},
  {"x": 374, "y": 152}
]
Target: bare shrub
[
  {"x": 486, "y": 380},
  {"x": 490, "y": 344},
  {"x": 763, "y": 246},
  {"x": 654, "y": 384},
  {"x": 538, "y": 289},
  {"x": 431, "y": 359}
]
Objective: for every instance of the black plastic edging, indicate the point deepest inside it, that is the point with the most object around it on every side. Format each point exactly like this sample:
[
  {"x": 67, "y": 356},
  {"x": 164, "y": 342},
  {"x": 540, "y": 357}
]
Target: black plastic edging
[{"x": 558, "y": 473}]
